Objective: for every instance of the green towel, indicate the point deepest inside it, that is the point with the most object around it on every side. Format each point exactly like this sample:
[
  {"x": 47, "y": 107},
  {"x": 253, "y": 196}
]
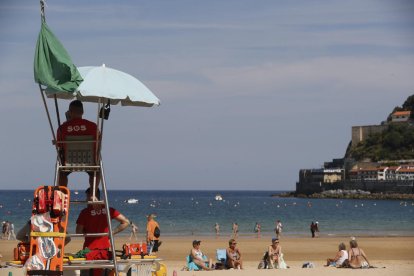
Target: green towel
[{"x": 82, "y": 253}]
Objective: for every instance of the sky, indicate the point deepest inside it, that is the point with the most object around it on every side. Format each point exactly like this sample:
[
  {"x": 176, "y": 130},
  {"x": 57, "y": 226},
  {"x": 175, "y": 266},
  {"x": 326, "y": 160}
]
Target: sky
[{"x": 251, "y": 91}]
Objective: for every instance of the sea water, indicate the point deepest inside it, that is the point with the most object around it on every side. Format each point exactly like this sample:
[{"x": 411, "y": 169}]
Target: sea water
[{"x": 184, "y": 213}]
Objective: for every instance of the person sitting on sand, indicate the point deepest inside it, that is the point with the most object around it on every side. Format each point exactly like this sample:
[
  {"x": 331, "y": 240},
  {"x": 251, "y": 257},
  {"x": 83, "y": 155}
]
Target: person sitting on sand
[
  {"x": 340, "y": 257},
  {"x": 356, "y": 256},
  {"x": 233, "y": 254},
  {"x": 199, "y": 258},
  {"x": 274, "y": 253}
]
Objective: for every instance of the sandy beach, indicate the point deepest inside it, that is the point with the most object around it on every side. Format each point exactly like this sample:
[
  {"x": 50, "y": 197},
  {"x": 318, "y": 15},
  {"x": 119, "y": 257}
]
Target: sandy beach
[{"x": 391, "y": 255}]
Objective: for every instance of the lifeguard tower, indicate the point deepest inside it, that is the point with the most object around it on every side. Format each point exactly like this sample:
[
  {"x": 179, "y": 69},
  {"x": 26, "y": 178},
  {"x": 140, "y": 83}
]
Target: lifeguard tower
[{"x": 59, "y": 78}]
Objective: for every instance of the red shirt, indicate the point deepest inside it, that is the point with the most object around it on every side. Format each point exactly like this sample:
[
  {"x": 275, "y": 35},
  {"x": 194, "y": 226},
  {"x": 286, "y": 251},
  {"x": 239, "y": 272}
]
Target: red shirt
[
  {"x": 76, "y": 127},
  {"x": 95, "y": 221}
]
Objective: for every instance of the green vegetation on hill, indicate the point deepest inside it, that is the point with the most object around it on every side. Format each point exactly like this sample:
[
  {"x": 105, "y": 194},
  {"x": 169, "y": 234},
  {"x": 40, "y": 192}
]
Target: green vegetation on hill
[
  {"x": 394, "y": 143},
  {"x": 407, "y": 105}
]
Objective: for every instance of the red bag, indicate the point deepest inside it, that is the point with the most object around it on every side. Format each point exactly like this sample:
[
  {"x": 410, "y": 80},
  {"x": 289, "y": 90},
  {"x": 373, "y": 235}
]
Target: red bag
[
  {"x": 134, "y": 249},
  {"x": 22, "y": 251}
]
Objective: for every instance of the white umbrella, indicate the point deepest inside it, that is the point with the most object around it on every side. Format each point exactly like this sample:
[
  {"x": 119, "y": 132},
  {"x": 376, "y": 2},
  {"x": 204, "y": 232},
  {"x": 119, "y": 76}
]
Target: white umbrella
[{"x": 101, "y": 82}]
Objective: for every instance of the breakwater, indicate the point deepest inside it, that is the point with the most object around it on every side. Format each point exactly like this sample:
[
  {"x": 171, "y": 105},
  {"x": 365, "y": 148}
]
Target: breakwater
[{"x": 371, "y": 186}]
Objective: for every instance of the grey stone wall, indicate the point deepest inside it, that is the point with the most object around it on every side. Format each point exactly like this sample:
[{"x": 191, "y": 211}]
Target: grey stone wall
[{"x": 360, "y": 133}]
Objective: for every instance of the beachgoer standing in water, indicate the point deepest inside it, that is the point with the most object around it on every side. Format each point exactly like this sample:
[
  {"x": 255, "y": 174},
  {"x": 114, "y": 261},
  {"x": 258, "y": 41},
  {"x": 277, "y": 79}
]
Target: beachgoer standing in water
[
  {"x": 217, "y": 229},
  {"x": 235, "y": 229},
  {"x": 278, "y": 229},
  {"x": 312, "y": 229},
  {"x": 257, "y": 229},
  {"x": 134, "y": 231},
  {"x": 12, "y": 235}
]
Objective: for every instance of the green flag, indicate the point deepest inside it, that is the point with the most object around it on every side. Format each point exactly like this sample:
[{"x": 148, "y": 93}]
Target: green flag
[{"x": 53, "y": 66}]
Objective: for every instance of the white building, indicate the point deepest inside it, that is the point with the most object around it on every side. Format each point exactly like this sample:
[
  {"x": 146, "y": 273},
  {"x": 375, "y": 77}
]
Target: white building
[{"x": 400, "y": 116}]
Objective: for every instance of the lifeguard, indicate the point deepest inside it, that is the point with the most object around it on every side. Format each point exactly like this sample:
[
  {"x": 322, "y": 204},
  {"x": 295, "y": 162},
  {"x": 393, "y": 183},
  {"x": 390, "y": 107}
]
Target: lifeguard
[{"x": 75, "y": 126}]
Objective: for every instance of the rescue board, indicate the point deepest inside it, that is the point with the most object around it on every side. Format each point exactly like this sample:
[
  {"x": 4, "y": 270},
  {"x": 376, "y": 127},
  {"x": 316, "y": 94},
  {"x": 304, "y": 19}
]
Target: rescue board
[{"x": 50, "y": 211}]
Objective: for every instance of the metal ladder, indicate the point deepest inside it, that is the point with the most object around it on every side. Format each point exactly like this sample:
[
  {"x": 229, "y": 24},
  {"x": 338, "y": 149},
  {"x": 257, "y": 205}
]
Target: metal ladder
[{"x": 96, "y": 166}]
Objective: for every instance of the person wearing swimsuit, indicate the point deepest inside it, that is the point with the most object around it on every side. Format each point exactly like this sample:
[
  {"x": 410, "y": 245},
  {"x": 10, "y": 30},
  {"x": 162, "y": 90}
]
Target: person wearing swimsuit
[
  {"x": 274, "y": 250},
  {"x": 234, "y": 259},
  {"x": 356, "y": 256},
  {"x": 199, "y": 258}
]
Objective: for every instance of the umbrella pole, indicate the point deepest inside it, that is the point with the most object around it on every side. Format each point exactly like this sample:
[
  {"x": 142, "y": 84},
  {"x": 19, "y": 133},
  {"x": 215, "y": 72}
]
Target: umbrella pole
[
  {"x": 57, "y": 110},
  {"x": 108, "y": 216}
]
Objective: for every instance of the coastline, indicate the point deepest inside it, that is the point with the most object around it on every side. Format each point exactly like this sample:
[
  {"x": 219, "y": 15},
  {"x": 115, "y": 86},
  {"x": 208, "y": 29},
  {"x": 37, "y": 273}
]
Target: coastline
[
  {"x": 345, "y": 195},
  {"x": 393, "y": 253}
]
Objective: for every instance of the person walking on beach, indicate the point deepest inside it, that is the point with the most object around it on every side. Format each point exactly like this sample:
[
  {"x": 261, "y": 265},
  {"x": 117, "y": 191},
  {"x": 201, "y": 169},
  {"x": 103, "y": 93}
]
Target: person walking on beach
[
  {"x": 257, "y": 229},
  {"x": 153, "y": 237},
  {"x": 316, "y": 229},
  {"x": 278, "y": 229},
  {"x": 134, "y": 231},
  {"x": 6, "y": 229},
  {"x": 313, "y": 229},
  {"x": 217, "y": 229},
  {"x": 11, "y": 235},
  {"x": 235, "y": 230}
]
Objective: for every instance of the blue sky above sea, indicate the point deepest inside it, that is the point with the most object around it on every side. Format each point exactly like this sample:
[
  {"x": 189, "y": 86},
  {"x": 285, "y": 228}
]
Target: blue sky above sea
[{"x": 251, "y": 91}]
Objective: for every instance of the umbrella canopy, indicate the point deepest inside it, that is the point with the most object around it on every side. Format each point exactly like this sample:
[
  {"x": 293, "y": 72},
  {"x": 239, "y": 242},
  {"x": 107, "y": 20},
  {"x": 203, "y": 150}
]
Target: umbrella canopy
[{"x": 104, "y": 83}]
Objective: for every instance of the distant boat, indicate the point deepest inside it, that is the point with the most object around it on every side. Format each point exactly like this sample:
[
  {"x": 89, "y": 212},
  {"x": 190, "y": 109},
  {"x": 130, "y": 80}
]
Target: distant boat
[
  {"x": 131, "y": 201},
  {"x": 76, "y": 192},
  {"x": 218, "y": 197}
]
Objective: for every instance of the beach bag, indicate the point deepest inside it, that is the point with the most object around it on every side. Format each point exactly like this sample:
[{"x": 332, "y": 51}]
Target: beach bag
[
  {"x": 22, "y": 251},
  {"x": 132, "y": 249},
  {"x": 308, "y": 265},
  {"x": 157, "y": 232},
  {"x": 262, "y": 264},
  {"x": 263, "y": 261}
]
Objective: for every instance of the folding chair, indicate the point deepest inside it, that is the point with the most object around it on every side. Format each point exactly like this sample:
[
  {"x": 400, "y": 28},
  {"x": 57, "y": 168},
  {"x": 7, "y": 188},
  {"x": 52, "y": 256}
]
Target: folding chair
[{"x": 221, "y": 256}]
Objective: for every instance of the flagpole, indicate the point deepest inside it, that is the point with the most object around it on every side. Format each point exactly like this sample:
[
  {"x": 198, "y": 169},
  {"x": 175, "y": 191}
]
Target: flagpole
[{"x": 42, "y": 10}]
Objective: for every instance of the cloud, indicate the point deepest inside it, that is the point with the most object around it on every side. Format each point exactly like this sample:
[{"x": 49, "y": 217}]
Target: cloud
[{"x": 337, "y": 74}]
